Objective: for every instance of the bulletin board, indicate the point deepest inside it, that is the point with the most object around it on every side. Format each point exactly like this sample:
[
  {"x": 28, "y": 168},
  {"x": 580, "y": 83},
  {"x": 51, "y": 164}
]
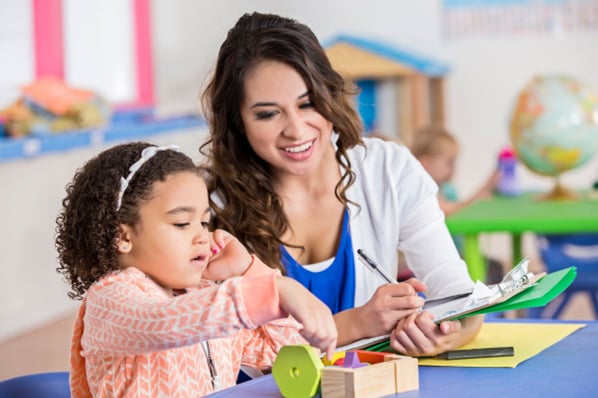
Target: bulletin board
[{"x": 466, "y": 19}]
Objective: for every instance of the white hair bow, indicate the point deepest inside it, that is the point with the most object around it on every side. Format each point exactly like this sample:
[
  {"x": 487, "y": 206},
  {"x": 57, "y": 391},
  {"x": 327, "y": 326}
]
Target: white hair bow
[{"x": 146, "y": 155}]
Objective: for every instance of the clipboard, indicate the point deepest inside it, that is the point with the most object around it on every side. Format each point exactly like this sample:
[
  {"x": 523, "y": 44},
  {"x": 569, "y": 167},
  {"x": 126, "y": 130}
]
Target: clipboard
[
  {"x": 539, "y": 290},
  {"x": 519, "y": 289}
]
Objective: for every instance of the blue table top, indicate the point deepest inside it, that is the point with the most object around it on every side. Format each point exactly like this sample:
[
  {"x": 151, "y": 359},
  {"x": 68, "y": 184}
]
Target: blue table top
[{"x": 567, "y": 369}]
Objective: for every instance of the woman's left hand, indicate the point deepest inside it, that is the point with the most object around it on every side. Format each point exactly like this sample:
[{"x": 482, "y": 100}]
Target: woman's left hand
[{"x": 417, "y": 335}]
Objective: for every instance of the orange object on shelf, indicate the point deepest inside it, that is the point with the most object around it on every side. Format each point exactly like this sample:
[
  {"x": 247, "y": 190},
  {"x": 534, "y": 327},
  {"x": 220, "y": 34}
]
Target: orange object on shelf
[{"x": 56, "y": 97}]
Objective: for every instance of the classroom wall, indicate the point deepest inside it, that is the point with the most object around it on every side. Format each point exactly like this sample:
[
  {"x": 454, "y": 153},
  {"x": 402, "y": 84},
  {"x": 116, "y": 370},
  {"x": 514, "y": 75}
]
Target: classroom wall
[
  {"x": 486, "y": 74},
  {"x": 481, "y": 88},
  {"x": 16, "y": 41}
]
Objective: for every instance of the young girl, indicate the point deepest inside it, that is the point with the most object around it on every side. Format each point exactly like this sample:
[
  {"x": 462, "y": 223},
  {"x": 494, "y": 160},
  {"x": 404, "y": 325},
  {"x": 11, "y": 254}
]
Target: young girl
[
  {"x": 133, "y": 242},
  {"x": 437, "y": 150}
]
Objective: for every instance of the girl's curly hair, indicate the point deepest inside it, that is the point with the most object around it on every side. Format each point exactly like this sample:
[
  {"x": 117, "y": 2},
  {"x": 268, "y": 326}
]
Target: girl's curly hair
[
  {"x": 252, "y": 210},
  {"x": 87, "y": 228}
]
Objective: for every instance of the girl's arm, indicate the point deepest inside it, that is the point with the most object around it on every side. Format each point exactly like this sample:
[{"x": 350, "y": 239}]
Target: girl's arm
[
  {"x": 128, "y": 313},
  {"x": 260, "y": 346},
  {"x": 483, "y": 192},
  {"x": 316, "y": 326}
]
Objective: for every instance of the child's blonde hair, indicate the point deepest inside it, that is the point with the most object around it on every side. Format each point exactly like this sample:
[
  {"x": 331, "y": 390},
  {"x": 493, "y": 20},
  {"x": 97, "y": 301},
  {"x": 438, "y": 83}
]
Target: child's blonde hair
[{"x": 432, "y": 140}]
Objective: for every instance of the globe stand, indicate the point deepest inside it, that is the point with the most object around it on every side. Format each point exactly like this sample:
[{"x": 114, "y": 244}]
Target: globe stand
[{"x": 559, "y": 192}]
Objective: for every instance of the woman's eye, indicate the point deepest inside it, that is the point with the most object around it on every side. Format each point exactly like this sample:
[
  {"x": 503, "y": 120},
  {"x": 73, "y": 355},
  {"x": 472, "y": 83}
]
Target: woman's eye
[
  {"x": 265, "y": 115},
  {"x": 181, "y": 225},
  {"x": 307, "y": 105},
  {"x": 205, "y": 224}
]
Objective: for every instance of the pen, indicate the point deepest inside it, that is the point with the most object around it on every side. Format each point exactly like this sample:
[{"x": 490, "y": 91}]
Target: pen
[
  {"x": 478, "y": 353},
  {"x": 445, "y": 299},
  {"x": 374, "y": 267}
]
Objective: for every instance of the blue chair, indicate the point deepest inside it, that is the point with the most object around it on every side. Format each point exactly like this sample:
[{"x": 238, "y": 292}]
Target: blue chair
[
  {"x": 47, "y": 385},
  {"x": 562, "y": 251}
]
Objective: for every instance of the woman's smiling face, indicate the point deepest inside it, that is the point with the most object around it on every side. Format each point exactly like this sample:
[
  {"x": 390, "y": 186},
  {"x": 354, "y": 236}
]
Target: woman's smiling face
[{"x": 280, "y": 121}]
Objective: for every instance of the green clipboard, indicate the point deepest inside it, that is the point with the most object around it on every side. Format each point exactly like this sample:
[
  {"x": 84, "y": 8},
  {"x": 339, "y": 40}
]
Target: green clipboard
[
  {"x": 543, "y": 292},
  {"x": 383, "y": 346}
]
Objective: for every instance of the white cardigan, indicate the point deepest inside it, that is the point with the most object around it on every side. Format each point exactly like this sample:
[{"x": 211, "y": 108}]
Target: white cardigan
[{"x": 398, "y": 209}]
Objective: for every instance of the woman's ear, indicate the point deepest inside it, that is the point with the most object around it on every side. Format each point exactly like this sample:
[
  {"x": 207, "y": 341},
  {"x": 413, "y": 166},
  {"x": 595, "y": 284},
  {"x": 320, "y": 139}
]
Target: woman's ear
[{"x": 124, "y": 239}]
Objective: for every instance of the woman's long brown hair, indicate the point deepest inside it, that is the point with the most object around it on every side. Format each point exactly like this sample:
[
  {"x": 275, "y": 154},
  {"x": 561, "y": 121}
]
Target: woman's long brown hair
[{"x": 251, "y": 208}]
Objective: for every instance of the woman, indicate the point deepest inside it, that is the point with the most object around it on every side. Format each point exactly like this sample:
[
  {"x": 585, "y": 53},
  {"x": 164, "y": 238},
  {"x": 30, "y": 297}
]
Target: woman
[{"x": 294, "y": 180}]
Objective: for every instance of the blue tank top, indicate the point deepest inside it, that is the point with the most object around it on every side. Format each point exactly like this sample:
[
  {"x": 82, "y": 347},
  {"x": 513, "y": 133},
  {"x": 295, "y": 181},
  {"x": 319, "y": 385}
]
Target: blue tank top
[{"x": 335, "y": 285}]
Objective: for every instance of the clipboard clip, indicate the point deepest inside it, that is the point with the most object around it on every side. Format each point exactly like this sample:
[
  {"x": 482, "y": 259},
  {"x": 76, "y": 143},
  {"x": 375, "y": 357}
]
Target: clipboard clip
[{"x": 515, "y": 279}]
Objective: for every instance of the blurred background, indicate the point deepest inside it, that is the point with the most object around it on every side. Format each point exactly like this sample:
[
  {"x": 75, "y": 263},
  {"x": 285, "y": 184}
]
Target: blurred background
[{"x": 142, "y": 64}]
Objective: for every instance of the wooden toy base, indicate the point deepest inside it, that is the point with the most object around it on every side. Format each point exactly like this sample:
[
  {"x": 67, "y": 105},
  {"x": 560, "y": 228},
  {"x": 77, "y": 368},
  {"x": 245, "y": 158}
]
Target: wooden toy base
[{"x": 396, "y": 374}]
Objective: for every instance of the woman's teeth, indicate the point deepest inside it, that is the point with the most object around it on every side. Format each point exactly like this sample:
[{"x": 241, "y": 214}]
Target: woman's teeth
[{"x": 300, "y": 148}]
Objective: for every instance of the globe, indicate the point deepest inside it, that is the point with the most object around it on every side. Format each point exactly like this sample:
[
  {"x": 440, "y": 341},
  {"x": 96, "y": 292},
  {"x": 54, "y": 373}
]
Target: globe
[{"x": 554, "y": 127}]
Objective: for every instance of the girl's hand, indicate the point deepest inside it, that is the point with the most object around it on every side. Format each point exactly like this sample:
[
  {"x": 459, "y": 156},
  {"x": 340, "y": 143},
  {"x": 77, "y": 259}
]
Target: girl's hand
[
  {"x": 487, "y": 190},
  {"x": 229, "y": 257},
  {"x": 319, "y": 328}
]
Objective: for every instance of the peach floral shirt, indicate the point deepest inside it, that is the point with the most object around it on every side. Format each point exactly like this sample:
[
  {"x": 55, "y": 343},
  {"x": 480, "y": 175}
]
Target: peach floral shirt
[{"x": 131, "y": 339}]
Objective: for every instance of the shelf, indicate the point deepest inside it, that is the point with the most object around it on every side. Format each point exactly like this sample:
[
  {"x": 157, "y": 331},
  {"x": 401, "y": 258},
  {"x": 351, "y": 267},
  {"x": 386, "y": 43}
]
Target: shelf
[{"x": 124, "y": 126}]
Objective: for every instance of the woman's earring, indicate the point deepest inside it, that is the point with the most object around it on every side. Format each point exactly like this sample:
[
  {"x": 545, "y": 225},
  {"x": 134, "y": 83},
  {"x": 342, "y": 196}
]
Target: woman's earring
[{"x": 124, "y": 247}]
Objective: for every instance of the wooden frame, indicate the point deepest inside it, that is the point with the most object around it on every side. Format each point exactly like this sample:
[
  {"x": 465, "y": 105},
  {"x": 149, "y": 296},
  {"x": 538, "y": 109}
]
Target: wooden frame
[
  {"x": 419, "y": 81},
  {"x": 371, "y": 380}
]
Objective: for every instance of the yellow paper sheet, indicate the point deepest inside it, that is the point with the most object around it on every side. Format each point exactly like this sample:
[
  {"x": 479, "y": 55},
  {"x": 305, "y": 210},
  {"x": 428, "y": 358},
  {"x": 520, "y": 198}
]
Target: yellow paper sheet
[{"x": 528, "y": 339}]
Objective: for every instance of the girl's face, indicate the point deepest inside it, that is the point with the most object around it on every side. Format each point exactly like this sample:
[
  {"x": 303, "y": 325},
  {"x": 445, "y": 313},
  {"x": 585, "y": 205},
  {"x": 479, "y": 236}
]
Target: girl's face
[
  {"x": 171, "y": 241},
  {"x": 441, "y": 166},
  {"x": 280, "y": 121}
]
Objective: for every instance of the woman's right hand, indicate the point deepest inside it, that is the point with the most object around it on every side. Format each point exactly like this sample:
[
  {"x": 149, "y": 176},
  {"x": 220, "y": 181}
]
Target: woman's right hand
[
  {"x": 389, "y": 304},
  {"x": 319, "y": 328}
]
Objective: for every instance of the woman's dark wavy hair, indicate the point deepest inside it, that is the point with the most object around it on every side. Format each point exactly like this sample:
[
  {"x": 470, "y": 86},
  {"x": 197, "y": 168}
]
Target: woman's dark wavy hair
[
  {"x": 252, "y": 210},
  {"x": 87, "y": 228}
]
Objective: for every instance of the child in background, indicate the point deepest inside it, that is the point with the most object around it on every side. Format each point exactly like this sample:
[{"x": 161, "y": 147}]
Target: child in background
[
  {"x": 133, "y": 242},
  {"x": 437, "y": 151}
]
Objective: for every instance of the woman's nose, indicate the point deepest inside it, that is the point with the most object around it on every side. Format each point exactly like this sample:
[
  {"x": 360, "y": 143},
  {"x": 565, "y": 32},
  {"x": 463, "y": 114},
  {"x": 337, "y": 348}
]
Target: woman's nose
[{"x": 294, "y": 126}]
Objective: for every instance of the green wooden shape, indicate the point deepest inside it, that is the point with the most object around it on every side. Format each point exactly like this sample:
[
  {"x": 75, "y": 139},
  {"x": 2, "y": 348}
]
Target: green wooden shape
[{"x": 297, "y": 371}]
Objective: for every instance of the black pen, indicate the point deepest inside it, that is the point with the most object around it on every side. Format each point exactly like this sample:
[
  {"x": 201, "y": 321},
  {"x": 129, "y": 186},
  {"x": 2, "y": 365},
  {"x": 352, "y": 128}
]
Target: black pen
[
  {"x": 478, "y": 353},
  {"x": 374, "y": 267}
]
